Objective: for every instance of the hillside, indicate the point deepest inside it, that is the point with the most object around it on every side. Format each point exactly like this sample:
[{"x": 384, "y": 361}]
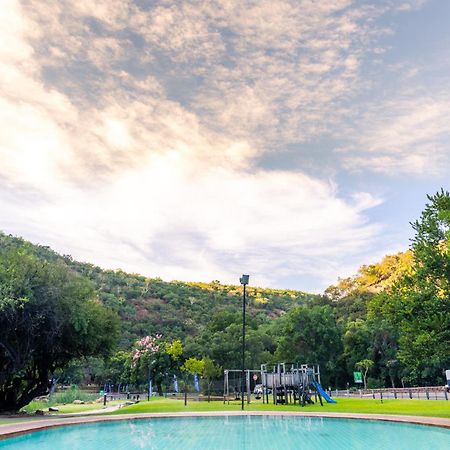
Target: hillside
[{"x": 175, "y": 309}]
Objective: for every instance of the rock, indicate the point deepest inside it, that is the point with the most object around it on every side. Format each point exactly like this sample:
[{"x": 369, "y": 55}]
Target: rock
[
  {"x": 128, "y": 403},
  {"x": 78, "y": 402},
  {"x": 39, "y": 412},
  {"x": 53, "y": 409},
  {"x": 99, "y": 400}
]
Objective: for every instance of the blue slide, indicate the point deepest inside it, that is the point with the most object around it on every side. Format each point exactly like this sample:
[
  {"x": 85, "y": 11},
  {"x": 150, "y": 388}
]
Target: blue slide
[{"x": 323, "y": 393}]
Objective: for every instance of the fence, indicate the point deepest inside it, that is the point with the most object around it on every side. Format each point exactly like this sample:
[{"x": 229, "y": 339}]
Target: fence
[{"x": 420, "y": 393}]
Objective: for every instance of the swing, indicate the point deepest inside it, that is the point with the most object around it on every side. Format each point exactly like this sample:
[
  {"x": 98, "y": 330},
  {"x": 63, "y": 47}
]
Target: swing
[{"x": 237, "y": 392}]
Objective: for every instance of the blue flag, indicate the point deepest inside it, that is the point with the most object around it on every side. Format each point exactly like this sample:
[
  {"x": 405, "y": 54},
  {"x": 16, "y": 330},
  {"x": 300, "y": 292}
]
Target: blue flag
[
  {"x": 196, "y": 383},
  {"x": 150, "y": 388},
  {"x": 175, "y": 384}
]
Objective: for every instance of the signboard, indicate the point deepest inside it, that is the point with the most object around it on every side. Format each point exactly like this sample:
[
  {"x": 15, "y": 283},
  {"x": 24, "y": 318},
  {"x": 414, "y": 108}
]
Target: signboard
[{"x": 357, "y": 377}]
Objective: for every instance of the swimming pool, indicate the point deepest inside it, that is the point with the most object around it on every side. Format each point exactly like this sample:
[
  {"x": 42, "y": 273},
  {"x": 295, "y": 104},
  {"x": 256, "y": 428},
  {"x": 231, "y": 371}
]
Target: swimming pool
[{"x": 235, "y": 432}]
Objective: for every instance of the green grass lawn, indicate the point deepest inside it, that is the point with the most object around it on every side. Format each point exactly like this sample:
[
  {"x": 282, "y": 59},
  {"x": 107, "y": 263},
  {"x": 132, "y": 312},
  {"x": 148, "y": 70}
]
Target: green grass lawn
[{"x": 435, "y": 408}]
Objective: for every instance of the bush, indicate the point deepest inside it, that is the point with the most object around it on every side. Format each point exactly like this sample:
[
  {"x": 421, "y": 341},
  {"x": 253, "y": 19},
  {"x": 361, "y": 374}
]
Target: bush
[
  {"x": 374, "y": 383},
  {"x": 62, "y": 397},
  {"x": 34, "y": 405},
  {"x": 70, "y": 395}
]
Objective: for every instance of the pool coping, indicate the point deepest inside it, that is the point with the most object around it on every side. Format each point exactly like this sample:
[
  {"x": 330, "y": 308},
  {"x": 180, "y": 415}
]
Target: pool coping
[{"x": 18, "y": 428}]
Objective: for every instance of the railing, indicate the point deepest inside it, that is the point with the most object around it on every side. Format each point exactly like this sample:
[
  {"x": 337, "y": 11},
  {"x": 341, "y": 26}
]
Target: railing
[{"x": 420, "y": 393}]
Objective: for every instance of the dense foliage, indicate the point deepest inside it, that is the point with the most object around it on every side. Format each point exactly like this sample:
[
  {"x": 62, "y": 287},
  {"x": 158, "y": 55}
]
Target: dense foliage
[
  {"x": 49, "y": 315},
  {"x": 418, "y": 306},
  {"x": 390, "y": 320}
]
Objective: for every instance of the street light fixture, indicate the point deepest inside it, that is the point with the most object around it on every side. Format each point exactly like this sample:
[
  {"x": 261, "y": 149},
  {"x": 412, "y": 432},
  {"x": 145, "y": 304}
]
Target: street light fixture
[{"x": 244, "y": 281}]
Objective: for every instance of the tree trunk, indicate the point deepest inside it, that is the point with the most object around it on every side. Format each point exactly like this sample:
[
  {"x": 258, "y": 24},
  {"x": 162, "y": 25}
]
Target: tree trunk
[
  {"x": 392, "y": 382},
  {"x": 12, "y": 398}
]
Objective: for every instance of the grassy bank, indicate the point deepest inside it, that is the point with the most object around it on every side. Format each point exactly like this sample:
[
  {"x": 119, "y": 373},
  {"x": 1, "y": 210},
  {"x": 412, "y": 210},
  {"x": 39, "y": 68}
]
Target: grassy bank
[
  {"x": 66, "y": 408},
  {"x": 433, "y": 408}
]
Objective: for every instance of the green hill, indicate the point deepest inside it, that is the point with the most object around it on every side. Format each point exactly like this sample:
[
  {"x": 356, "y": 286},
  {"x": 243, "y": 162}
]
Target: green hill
[{"x": 176, "y": 309}]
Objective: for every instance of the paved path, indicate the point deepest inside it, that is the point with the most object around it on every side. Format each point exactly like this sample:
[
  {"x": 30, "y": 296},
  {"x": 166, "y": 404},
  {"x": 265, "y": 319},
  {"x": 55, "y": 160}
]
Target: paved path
[
  {"x": 8, "y": 430},
  {"x": 104, "y": 410}
]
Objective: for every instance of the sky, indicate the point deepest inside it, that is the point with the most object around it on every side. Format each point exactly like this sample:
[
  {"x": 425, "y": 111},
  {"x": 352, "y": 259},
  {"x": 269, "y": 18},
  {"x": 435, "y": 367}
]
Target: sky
[{"x": 199, "y": 140}]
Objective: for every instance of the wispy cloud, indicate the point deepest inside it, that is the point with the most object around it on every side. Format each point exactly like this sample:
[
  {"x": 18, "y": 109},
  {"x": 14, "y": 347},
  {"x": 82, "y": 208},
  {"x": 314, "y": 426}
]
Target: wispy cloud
[
  {"x": 138, "y": 129},
  {"x": 403, "y": 135}
]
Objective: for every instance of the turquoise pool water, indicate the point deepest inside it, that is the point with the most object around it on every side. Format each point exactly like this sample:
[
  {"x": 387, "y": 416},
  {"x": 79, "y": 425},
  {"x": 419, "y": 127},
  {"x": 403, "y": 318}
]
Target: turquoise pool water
[{"x": 249, "y": 433}]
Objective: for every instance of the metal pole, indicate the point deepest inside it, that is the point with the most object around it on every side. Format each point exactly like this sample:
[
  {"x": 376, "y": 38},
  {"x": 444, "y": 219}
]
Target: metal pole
[
  {"x": 243, "y": 348},
  {"x": 248, "y": 387}
]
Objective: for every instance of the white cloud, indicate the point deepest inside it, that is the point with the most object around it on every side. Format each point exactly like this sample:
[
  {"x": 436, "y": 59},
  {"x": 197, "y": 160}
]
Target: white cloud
[
  {"x": 132, "y": 135},
  {"x": 175, "y": 218},
  {"x": 406, "y": 135}
]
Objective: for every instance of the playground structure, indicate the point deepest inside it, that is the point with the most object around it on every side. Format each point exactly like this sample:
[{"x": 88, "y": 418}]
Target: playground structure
[{"x": 286, "y": 383}]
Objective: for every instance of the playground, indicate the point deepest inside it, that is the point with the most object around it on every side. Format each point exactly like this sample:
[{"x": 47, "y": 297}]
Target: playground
[{"x": 282, "y": 384}]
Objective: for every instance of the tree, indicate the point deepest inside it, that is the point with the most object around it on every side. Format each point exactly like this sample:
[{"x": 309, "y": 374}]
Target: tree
[
  {"x": 156, "y": 360},
  {"x": 357, "y": 342},
  {"x": 310, "y": 335},
  {"x": 211, "y": 371},
  {"x": 191, "y": 366},
  {"x": 419, "y": 304},
  {"x": 364, "y": 366},
  {"x": 116, "y": 369},
  {"x": 49, "y": 316},
  {"x": 175, "y": 349}
]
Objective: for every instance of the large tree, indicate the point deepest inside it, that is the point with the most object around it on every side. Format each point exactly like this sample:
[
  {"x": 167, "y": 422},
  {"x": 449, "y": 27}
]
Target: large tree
[
  {"x": 49, "y": 315},
  {"x": 310, "y": 334},
  {"x": 419, "y": 304}
]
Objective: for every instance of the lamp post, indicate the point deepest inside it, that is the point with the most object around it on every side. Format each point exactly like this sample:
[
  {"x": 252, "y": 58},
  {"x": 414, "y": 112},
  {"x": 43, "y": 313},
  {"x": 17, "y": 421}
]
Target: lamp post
[{"x": 244, "y": 281}]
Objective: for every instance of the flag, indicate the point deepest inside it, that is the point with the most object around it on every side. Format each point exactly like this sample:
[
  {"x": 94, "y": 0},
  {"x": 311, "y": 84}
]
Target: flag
[
  {"x": 150, "y": 388},
  {"x": 175, "y": 384},
  {"x": 196, "y": 383}
]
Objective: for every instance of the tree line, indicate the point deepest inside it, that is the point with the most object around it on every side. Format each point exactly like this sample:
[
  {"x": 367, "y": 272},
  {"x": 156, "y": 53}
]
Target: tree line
[{"x": 74, "y": 322}]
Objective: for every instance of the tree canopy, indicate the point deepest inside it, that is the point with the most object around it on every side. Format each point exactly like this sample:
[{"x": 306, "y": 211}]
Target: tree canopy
[
  {"x": 49, "y": 315},
  {"x": 418, "y": 305}
]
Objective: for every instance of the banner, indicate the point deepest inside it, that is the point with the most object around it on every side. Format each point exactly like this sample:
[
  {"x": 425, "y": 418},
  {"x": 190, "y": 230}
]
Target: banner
[
  {"x": 357, "y": 377},
  {"x": 175, "y": 384},
  {"x": 196, "y": 383}
]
